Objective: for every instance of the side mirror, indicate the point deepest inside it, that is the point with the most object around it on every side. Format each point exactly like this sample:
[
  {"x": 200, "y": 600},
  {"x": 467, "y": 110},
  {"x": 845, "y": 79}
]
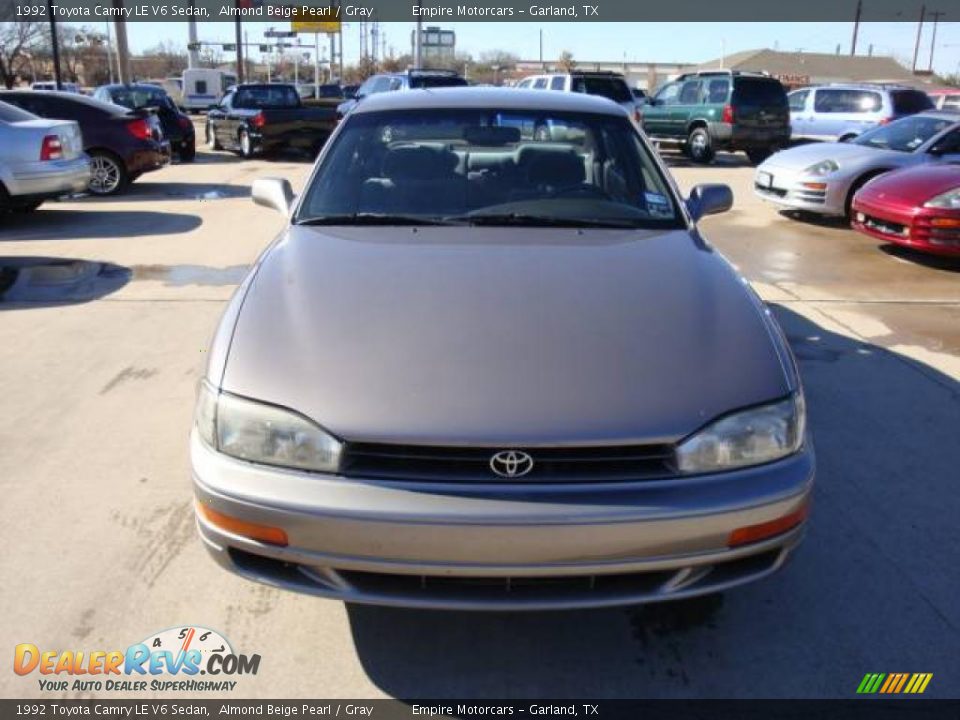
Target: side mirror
[
  {"x": 709, "y": 199},
  {"x": 273, "y": 193}
]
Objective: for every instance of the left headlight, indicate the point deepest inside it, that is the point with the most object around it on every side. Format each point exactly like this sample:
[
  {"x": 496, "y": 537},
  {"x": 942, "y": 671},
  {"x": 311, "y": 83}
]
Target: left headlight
[
  {"x": 822, "y": 168},
  {"x": 949, "y": 200},
  {"x": 261, "y": 433},
  {"x": 749, "y": 437}
]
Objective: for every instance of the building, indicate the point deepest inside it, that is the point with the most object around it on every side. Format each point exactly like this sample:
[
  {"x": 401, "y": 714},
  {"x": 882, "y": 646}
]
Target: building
[{"x": 796, "y": 69}]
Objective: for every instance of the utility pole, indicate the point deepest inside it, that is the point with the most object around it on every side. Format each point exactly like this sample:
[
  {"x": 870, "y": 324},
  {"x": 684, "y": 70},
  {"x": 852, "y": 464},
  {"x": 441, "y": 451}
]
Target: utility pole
[
  {"x": 193, "y": 56},
  {"x": 856, "y": 27},
  {"x": 124, "y": 76},
  {"x": 936, "y": 15},
  {"x": 55, "y": 46},
  {"x": 239, "y": 38},
  {"x": 916, "y": 48},
  {"x": 109, "y": 53},
  {"x": 541, "y": 48},
  {"x": 418, "y": 42}
]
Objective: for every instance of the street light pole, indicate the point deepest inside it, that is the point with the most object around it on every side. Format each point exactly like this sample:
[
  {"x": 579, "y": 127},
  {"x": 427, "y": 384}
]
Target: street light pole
[
  {"x": 936, "y": 15},
  {"x": 55, "y": 46},
  {"x": 916, "y": 48}
]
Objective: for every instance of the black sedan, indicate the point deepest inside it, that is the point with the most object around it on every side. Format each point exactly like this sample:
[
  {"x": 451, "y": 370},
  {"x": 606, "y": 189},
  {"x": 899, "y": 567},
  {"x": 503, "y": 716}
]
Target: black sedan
[
  {"x": 122, "y": 144},
  {"x": 177, "y": 126}
]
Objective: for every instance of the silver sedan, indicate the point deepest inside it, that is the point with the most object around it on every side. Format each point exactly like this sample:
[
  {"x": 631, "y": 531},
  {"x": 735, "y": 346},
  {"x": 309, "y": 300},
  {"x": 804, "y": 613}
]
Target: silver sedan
[
  {"x": 822, "y": 178},
  {"x": 482, "y": 370},
  {"x": 39, "y": 159}
]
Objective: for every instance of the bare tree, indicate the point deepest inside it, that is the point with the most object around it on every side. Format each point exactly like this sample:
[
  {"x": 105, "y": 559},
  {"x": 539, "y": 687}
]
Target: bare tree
[
  {"x": 566, "y": 62},
  {"x": 16, "y": 41}
]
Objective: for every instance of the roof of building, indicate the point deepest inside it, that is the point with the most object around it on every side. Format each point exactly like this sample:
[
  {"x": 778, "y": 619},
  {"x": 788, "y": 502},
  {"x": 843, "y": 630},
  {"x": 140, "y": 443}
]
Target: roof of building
[{"x": 802, "y": 67}]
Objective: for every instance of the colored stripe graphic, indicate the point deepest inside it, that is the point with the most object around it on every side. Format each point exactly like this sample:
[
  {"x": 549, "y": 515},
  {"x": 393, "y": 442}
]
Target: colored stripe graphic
[{"x": 894, "y": 683}]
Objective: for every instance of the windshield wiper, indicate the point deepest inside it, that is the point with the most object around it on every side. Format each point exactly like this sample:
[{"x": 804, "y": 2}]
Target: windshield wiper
[
  {"x": 522, "y": 220},
  {"x": 374, "y": 219}
]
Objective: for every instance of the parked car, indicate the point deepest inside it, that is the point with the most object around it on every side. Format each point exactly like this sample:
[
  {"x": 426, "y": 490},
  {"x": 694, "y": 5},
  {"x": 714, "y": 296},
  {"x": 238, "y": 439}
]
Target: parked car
[
  {"x": 329, "y": 91},
  {"x": 39, "y": 159},
  {"x": 917, "y": 207},
  {"x": 610, "y": 85},
  {"x": 203, "y": 87},
  {"x": 410, "y": 80},
  {"x": 822, "y": 178},
  {"x": 177, "y": 126},
  {"x": 457, "y": 379},
  {"x": 350, "y": 91},
  {"x": 265, "y": 118},
  {"x": 122, "y": 144},
  {"x": 945, "y": 99},
  {"x": 51, "y": 85},
  {"x": 720, "y": 110},
  {"x": 842, "y": 112}
]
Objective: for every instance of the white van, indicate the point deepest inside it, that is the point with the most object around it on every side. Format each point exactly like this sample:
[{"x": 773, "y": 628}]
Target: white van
[{"x": 203, "y": 87}]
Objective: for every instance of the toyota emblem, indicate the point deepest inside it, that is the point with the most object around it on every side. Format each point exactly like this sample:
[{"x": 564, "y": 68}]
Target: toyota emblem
[{"x": 511, "y": 463}]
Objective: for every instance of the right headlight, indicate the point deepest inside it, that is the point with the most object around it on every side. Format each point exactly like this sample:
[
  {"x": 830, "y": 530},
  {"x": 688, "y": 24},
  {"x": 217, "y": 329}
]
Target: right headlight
[
  {"x": 749, "y": 437},
  {"x": 822, "y": 168},
  {"x": 261, "y": 433}
]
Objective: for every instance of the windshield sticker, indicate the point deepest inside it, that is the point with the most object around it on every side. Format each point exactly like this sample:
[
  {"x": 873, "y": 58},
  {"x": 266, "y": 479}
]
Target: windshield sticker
[{"x": 658, "y": 205}]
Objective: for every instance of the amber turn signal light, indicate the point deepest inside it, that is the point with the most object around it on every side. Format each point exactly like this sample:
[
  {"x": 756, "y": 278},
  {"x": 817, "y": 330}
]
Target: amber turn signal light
[
  {"x": 254, "y": 531},
  {"x": 755, "y": 533}
]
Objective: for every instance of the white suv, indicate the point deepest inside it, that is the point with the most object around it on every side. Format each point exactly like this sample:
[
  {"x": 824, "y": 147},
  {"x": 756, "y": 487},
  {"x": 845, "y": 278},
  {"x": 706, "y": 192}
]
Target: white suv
[{"x": 610, "y": 85}]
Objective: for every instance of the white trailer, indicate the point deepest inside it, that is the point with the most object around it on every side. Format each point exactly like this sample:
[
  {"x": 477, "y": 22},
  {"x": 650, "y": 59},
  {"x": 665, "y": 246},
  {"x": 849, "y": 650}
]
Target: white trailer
[{"x": 203, "y": 87}]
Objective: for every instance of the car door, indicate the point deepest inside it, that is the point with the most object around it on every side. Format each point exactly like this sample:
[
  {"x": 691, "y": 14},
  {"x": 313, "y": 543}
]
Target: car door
[
  {"x": 688, "y": 103},
  {"x": 799, "y": 113},
  {"x": 656, "y": 113},
  {"x": 220, "y": 122},
  {"x": 946, "y": 148}
]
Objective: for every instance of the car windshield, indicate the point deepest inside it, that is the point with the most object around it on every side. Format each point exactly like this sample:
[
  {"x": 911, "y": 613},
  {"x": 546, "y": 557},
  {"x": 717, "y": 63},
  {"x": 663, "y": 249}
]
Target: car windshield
[
  {"x": 139, "y": 97},
  {"x": 491, "y": 167},
  {"x": 904, "y": 135},
  {"x": 266, "y": 96}
]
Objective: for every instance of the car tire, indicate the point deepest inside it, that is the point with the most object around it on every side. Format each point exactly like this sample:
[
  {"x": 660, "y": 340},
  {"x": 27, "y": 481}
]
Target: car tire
[
  {"x": 758, "y": 155},
  {"x": 188, "y": 154},
  {"x": 700, "y": 146},
  {"x": 857, "y": 184},
  {"x": 108, "y": 173},
  {"x": 245, "y": 143},
  {"x": 212, "y": 141}
]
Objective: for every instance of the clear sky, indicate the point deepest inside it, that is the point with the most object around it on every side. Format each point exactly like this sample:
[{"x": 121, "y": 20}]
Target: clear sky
[{"x": 665, "y": 42}]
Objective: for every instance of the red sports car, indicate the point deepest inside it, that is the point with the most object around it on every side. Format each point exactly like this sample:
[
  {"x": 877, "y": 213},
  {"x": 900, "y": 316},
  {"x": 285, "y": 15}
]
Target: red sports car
[{"x": 918, "y": 207}]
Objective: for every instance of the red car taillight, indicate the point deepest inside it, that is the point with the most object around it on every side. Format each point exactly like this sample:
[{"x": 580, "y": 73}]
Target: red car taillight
[
  {"x": 727, "y": 114},
  {"x": 140, "y": 129},
  {"x": 258, "y": 121},
  {"x": 52, "y": 148}
]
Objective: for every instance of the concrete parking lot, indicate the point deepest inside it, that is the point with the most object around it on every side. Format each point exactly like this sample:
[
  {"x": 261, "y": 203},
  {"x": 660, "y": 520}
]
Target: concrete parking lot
[{"x": 99, "y": 366}]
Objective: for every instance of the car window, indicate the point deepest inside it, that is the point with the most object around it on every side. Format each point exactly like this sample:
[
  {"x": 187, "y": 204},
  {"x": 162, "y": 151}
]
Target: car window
[
  {"x": 201, "y": 86},
  {"x": 718, "y": 91},
  {"x": 11, "y": 113},
  {"x": 798, "y": 100},
  {"x": 759, "y": 91},
  {"x": 558, "y": 82},
  {"x": 839, "y": 100},
  {"x": 256, "y": 97},
  {"x": 690, "y": 93},
  {"x": 904, "y": 135},
  {"x": 464, "y": 163},
  {"x": 436, "y": 81},
  {"x": 525, "y": 83},
  {"x": 668, "y": 94},
  {"x": 540, "y": 83},
  {"x": 949, "y": 144},
  {"x": 908, "y": 102},
  {"x": 137, "y": 97},
  {"x": 380, "y": 84},
  {"x": 612, "y": 88}
]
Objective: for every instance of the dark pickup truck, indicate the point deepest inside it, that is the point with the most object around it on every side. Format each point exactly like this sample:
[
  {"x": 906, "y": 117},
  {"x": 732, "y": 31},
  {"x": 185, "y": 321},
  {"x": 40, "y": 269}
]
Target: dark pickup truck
[{"x": 264, "y": 118}]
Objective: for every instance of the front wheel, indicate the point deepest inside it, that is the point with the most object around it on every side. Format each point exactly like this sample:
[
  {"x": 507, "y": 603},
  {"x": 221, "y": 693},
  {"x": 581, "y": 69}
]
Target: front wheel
[
  {"x": 108, "y": 175},
  {"x": 246, "y": 144},
  {"x": 700, "y": 146}
]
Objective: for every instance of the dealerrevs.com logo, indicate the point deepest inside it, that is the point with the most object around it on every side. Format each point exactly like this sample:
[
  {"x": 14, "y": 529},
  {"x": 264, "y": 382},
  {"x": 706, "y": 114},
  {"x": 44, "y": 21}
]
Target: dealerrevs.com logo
[{"x": 182, "y": 659}]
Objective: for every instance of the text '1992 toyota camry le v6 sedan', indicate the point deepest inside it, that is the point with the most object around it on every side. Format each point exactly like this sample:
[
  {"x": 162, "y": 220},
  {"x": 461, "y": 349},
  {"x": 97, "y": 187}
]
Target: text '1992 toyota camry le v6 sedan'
[{"x": 482, "y": 370}]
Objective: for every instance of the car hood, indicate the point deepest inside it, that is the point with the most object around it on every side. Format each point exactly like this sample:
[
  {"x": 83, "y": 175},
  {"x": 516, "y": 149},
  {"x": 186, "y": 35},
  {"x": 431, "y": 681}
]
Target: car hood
[
  {"x": 803, "y": 156},
  {"x": 502, "y": 336},
  {"x": 914, "y": 186}
]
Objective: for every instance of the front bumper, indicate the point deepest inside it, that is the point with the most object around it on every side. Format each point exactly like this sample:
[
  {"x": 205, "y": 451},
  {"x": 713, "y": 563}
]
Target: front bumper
[
  {"x": 787, "y": 189},
  {"x": 738, "y": 137},
  {"x": 497, "y": 546},
  {"x": 51, "y": 178},
  {"x": 907, "y": 226}
]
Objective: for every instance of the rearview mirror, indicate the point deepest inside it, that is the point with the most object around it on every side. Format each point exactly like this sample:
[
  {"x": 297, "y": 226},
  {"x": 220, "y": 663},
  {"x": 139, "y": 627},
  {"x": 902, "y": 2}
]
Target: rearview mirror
[
  {"x": 273, "y": 193},
  {"x": 709, "y": 199}
]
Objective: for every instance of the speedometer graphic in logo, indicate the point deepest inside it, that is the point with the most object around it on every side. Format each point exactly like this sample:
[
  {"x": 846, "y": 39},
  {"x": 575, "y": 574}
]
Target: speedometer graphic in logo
[{"x": 180, "y": 640}]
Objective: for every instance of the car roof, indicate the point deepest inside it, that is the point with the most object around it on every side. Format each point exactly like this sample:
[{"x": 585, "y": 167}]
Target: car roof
[
  {"x": 488, "y": 97},
  {"x": 134, "y": 86},
  {"x": 70, "y": 97}
]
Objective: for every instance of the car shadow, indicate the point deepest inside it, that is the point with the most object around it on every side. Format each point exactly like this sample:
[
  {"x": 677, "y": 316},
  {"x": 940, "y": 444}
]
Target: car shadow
[
  {"x": 722, "y": 161},
  {"x": 35, "y": 282},
  {"x": 53, "y": 223},
  {"x": 154, "y": 190},
  {"x": 809, "y": 218},
  {"x": 882, "y": 526},
  {"x": 934, "y": 262}
]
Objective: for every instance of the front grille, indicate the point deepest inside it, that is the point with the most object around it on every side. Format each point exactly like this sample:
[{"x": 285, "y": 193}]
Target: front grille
[
  {"x": 885, "y": 227},
  {"x": 550, "y": 465}
]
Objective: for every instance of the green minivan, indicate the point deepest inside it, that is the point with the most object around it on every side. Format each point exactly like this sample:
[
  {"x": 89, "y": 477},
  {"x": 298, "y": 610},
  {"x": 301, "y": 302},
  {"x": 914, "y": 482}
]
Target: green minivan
[{"x": 720, "y": 110}]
